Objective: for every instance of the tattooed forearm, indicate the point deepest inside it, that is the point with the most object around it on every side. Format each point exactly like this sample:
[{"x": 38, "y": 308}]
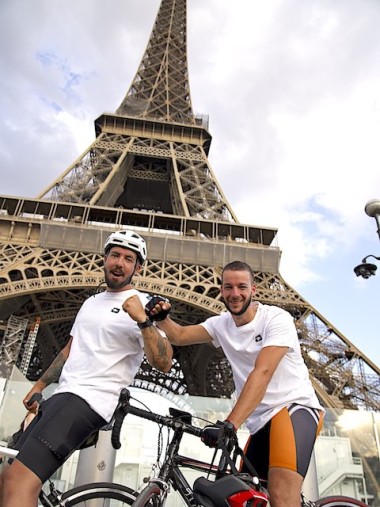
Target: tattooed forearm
[
  {"x": 54, "y": 371},
  {"x": 158, "y": 350},
  {"x": 162, "y": 352}
]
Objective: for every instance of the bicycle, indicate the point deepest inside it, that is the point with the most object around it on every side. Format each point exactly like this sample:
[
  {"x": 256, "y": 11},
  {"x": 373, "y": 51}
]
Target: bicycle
[
  {"x": 229, "y": 488},
  {"x": 242, "y": 489}
]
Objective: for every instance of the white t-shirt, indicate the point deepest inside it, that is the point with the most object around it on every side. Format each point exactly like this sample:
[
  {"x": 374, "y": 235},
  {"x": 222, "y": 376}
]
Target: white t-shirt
[
  {"x": 106, "y": 351},
  {"x": 271, "y": 326}
]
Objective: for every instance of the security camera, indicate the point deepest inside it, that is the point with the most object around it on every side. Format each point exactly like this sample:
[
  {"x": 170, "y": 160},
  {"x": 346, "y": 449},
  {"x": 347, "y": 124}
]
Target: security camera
[{"x": 365, "y": 270}]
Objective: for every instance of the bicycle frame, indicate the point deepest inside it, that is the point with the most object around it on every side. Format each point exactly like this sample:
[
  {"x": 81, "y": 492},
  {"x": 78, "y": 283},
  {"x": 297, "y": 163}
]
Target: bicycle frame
[{"x": 170, "y": 473}]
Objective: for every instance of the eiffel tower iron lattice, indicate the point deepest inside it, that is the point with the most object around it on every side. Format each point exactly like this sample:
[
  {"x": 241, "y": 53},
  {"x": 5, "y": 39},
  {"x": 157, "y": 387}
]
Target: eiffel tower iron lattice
[{"x": 148, "y": 170}]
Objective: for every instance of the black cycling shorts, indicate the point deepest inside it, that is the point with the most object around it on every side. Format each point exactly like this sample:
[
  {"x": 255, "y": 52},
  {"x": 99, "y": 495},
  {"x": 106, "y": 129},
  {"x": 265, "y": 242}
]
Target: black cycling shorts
[{"x": 63, "y": 423}]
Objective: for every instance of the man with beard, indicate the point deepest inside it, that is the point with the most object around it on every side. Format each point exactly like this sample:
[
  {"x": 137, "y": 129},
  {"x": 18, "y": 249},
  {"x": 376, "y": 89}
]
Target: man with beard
[
  {"x": 109, "y": 337},
  {"x": 275, "y": 398}
]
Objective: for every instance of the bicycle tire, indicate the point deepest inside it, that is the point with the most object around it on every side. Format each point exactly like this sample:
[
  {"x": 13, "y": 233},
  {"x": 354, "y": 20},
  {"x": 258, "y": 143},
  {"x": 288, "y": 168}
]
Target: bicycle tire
[
  {"x": 86, "y": 495},
  {"x": 150, "y": 496},
  {"x": 339, "y": 501}
]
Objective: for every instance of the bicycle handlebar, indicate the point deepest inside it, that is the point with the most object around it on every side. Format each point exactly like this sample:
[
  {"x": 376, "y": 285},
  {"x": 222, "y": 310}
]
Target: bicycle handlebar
[{"x": 125, "y": 408}]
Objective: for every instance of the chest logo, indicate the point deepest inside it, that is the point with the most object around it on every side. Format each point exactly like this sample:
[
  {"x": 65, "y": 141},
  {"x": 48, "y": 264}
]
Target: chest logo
[
  {"x": 258, "y": 338},
  {"x": 115, "y": 310}
]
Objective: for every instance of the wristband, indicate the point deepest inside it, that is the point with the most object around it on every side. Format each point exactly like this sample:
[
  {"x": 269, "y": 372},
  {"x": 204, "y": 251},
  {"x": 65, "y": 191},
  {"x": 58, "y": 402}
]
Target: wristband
[{"x": 143, "y": 325}]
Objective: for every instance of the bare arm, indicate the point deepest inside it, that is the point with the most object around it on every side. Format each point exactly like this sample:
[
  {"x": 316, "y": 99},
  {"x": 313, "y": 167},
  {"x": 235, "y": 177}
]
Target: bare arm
[
  {"x": 183, "y": 335},
  {"x": 256, "y": 384},
  {"x": 51, "y": 374}
]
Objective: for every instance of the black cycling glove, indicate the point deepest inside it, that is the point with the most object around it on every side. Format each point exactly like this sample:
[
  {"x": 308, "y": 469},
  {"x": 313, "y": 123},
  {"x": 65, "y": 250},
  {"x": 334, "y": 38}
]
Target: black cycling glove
[
  {"x": 153, "y": 301},
  {"x": 215, "y": 434}
]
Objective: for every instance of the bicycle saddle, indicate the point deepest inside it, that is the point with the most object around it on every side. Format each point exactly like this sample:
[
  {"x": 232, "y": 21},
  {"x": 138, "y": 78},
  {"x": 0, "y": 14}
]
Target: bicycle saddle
[{"x": 228, "y": 491}]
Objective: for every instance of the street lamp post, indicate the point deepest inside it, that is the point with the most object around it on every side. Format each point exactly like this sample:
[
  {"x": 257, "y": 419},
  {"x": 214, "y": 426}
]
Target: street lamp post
[
  {"x": 372, "y": 208},
  {"x": 367, "y": 269}
]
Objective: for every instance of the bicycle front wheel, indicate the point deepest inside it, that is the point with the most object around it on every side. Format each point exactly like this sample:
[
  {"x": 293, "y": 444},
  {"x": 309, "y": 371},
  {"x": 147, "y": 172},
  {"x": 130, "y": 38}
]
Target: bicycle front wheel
[
  {"x": 339, "y": 501},
  {"x": 99, "y": 494},
  {"x": 150, "y": 496}
]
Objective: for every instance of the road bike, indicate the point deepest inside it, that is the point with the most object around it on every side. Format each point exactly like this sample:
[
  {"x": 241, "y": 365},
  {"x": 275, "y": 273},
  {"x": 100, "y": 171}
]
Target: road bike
[
  {"x": 219, "y": 484},
  {"x": 229, "y": 487}
]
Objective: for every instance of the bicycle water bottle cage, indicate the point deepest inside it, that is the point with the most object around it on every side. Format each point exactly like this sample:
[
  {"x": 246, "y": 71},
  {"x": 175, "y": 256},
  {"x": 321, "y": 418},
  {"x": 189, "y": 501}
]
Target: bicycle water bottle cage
[{"x": 229, "y": 491}]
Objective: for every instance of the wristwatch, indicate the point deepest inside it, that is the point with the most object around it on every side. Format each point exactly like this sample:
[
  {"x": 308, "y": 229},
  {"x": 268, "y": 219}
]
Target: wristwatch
[{"x": 143, "y": 325}]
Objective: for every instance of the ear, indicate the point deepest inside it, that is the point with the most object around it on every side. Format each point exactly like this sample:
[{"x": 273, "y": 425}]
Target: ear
[
  {"x": 138, "y": 267},
  {"x": 253, "y": 290}
]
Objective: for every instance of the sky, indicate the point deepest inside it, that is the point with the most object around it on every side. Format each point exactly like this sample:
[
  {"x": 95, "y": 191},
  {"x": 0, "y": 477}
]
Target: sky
[{"x": 292, "y": 90}]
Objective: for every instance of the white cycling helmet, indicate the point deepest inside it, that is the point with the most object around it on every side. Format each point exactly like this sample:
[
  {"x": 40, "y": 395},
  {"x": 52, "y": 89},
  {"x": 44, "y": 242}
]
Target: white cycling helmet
[{"x": 130, "y": 240}]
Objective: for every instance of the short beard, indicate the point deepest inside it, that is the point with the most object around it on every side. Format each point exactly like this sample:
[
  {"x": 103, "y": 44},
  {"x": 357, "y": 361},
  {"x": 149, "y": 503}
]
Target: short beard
[
  {"x": 240, "y": 312},
  {"x": 117, "y": 285}
]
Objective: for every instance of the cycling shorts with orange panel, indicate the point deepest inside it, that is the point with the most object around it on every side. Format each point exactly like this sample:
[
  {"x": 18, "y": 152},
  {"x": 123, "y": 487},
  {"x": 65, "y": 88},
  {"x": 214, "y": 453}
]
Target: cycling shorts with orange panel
[{"x": 286, "y": 441}]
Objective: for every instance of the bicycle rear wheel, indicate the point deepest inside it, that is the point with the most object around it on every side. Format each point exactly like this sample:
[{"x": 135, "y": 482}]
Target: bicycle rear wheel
[
  {"x": 339, "y": 501},
  {"x": 150, "y": 496},
  {"x": 99, "y": 494}
]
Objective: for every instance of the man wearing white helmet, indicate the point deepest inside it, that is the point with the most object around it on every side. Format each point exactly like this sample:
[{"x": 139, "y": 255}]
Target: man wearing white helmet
[{"x": 108, "y": 340}]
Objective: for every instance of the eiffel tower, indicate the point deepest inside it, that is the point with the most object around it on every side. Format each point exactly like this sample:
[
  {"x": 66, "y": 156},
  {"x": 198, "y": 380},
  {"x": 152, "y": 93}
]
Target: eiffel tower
[{"x": 148, "y": 170}]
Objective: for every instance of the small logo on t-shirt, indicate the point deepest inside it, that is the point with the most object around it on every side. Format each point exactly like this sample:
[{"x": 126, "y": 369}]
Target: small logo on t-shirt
[
  {"x": 115, "y": 310},
  {"x": 258, "y": 338}
]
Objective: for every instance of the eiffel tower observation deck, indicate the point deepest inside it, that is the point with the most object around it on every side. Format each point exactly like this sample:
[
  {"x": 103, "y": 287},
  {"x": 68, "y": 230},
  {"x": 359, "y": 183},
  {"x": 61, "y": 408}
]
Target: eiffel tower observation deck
[{"x": 148, "y": 170}]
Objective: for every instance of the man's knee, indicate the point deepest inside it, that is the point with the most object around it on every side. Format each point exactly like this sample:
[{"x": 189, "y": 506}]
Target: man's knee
[
  {"x": 284, "y": 487},
  {"x": 3, "y": 476},
  {"x": 17, "y": 474}
]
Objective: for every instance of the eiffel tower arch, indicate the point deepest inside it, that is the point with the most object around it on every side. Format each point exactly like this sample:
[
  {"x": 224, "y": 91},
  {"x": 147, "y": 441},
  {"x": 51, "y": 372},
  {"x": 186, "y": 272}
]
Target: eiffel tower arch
[{"x": 148, "y": 170}]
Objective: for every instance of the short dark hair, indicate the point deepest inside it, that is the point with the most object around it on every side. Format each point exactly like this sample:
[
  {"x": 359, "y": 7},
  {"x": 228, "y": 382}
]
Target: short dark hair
[{"x": 239, "y": 266}]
